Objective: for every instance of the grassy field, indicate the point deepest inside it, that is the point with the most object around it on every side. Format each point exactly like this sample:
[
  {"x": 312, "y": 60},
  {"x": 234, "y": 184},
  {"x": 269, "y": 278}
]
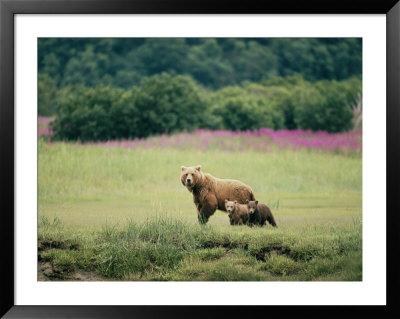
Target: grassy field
[{"x": 109, "y": 213}]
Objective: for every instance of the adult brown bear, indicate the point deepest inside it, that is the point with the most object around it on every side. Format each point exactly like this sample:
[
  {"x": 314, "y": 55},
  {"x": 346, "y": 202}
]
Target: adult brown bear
[{"x": 209, "y": 192}]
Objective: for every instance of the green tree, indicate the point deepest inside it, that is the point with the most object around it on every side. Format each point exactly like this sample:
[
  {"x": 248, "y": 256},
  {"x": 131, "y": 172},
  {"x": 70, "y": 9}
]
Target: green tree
[
  {"x": 89, "y": 68},
  {"x": 157, "y": 55},
  {"x": 214, "y": 63},
  {"x": 47, "y": 91},
  {"x": 206, "y": 64},
  {"x": 253, "y": 62}
]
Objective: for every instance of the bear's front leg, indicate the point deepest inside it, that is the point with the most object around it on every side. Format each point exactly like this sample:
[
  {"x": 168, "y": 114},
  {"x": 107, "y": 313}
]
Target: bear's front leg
[
  {"x": 205, "y": 213},
  {"x": 207, "y": 209},
  {"x": 203, "y": 218}
]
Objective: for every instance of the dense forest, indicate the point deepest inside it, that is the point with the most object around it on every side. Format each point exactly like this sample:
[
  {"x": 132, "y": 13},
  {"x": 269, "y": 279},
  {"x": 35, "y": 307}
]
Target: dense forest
[{"x": 104, "y": 88}]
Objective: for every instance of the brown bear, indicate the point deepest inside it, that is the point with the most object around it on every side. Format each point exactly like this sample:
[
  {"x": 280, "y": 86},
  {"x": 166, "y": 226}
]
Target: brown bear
[
  {"x": 259, "y": 214},
  {"x": 209, "y": 192},
  {"x": 238, "y": 213}
]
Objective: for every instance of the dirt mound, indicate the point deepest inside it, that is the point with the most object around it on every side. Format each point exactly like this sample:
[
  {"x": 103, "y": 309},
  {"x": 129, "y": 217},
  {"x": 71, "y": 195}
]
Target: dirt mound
[
  {"x": 44, "y": 244},
  {"x": 47, "y": 270},
  {"x": 264, "y": 252},
  {"x": 227, "y": 244}
]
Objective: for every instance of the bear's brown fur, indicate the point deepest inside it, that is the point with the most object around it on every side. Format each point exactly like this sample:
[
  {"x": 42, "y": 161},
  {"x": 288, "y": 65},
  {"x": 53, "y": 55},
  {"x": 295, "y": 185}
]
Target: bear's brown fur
[
  {"x": 259, "y": 214},
  {"x": 238, "y": 213},
  {"x": 209, "y": 192}
]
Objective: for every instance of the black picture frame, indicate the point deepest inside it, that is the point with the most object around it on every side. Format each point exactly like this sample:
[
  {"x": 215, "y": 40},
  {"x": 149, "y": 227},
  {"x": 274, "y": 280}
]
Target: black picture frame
[{"x": 8, "y": 8}]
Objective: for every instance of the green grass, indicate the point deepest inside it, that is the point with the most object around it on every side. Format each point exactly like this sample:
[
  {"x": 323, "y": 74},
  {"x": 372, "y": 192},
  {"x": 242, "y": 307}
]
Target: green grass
[{"x": 124, "y": 215}]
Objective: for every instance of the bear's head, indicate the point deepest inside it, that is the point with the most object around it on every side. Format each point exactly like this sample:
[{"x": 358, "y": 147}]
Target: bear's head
[
  {"x": 252, "y": 206},
  {"x": 230, "y": 206},
  {"x": 191, "y": 175}
]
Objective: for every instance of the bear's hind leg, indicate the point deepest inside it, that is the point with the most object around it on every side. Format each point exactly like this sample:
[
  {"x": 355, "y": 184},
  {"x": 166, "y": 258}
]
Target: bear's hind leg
[{"x": 271, "y": 220}]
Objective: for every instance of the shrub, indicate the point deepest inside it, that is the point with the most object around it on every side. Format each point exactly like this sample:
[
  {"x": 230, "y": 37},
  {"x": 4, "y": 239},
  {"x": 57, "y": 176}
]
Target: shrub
[
  {"x": 251, "y": 107},
  {"x": 324, "y": 106},
  {"x": 162, "y": 104},
  {"x": 248, "y": 113},
  {"x": 124, "y": 116},
  {"x": 166, "y": 104},
  {"x": 84, "y": 113}
]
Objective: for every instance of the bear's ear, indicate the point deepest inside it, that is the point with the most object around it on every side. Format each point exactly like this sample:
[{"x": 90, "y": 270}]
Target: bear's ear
[
  {"x": 198, "y": 167},
  {"x": 226, "y": 200},
  {"x": 256, "y": 202},
  {"x": 247, "y": 201},
  {"x": 183, "y": 168},
  {"x": 235, "y": 201}
]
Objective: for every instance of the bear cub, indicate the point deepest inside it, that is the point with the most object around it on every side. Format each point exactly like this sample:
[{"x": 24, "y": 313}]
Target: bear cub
[
  {"x": 238, "y": 213},
  {"x": 259, "y": 214}
]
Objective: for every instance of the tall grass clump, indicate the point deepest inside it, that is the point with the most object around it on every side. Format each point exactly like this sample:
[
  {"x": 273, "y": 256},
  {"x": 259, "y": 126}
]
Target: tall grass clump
[{"x": 154, "y": 245}]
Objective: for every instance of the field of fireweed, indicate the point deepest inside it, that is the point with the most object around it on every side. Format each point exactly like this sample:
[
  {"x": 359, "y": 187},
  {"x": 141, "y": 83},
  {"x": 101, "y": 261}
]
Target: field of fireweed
[{"x": 117, "y": 211}]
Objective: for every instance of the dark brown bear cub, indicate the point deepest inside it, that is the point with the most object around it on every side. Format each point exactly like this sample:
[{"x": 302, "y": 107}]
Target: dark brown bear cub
[
  {"x": 259, "y": 214},
  {"x": 238, "y": 214}
]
